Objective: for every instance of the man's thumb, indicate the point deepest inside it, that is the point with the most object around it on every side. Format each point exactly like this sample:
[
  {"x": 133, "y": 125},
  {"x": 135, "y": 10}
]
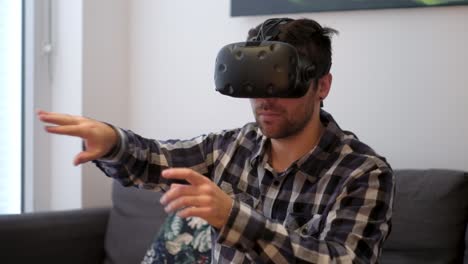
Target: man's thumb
[{"x": 83, "y": 157}]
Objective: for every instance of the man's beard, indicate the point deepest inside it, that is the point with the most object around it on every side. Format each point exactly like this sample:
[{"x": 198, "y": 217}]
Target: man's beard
[{"x": 286, "y": 126}]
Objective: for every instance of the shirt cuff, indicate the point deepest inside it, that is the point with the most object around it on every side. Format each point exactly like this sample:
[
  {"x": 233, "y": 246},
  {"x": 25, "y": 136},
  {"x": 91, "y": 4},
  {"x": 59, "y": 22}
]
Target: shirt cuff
[
  {"x": 116, "y": 153},
  {"x": 243, "y": 228}
]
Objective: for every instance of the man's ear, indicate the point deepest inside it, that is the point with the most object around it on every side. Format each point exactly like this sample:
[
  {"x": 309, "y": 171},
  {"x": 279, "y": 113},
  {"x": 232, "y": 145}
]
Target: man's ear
[{"x": 324, "y": 85}]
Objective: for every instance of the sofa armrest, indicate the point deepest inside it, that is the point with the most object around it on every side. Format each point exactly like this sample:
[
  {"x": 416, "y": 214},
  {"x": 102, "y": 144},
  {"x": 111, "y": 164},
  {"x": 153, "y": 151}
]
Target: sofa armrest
[
  {"x": 75, "y": 236},
  {"x": 465, "y": 260}
]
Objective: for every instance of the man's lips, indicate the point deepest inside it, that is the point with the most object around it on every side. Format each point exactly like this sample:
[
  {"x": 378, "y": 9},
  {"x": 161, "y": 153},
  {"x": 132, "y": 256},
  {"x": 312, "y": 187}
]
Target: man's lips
[
  {"x": 268, "y": 113},
  {"x": 268, "y": 116}
]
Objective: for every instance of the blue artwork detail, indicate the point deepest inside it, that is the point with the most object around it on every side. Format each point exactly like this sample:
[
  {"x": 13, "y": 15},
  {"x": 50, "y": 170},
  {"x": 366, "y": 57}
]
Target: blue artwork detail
[{"x": 259, "y": 7}]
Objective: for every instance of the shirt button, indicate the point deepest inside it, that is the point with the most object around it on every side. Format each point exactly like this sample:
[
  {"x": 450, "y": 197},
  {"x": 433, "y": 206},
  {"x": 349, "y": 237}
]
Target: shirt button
[
  {"x": 304, "y": 231},
  {"x": 276, "y": 183}
]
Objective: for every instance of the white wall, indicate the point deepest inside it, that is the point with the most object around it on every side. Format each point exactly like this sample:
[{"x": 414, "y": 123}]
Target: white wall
[
  {"x": 399, "y": 82},
  {"x": 89, "y": 76},
  {"x": 105, "y": 81},
  {"x": 66, "y": 96},
  {"x": 173, "y": 48},
  {"x": 400, "y": 79}
]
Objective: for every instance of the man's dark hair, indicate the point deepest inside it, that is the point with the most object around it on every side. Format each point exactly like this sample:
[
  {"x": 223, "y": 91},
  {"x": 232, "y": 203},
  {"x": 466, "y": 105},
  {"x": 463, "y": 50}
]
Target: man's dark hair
[{"x": 310, "y": 39}]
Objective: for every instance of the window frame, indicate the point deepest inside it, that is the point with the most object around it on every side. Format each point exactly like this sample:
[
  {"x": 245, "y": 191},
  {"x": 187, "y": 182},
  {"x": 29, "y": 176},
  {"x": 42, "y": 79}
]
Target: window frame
[{"x": 36, "y": 92}]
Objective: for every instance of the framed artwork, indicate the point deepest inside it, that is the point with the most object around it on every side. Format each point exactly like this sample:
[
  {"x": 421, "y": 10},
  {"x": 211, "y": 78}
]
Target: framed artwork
[{"x": 263, "y": 7}]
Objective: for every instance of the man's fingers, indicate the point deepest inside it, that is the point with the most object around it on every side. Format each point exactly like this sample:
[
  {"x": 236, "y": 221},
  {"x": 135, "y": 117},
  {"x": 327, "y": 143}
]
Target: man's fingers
[
  {"x": 188, "y": 201},
  {"x": 178, "y": 190},
  {"x": 57, "y": 118},
  {"x": 202, "y": 212},
  {"x": 185, "y": 174},
  {"x": 72, "y": 130}
]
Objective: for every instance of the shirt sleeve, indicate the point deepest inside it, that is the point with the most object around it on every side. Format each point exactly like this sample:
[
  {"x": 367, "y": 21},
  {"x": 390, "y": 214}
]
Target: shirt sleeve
[
  {"x": 136, "y": 160},
  {"x": 352, "y": 232}
]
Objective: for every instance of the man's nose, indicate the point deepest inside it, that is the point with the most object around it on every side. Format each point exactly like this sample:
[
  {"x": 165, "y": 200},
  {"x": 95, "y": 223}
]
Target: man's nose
[{"x": 267, "y": 101}]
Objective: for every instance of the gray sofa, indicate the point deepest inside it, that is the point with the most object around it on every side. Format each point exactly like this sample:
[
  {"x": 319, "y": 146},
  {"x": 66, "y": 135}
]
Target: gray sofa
[{"x": 429, "y": 226}]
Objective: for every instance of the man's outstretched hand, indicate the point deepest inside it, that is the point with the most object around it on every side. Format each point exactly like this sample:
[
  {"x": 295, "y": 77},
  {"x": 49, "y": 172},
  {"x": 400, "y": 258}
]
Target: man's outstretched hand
[
  {"x": 201, "y": 198},
  {"x": 98, "y": 137}
]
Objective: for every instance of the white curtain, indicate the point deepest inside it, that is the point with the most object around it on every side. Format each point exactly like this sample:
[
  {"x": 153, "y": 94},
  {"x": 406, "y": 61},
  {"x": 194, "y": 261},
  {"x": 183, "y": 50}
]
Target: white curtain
[{"x": 10, "y": 105}]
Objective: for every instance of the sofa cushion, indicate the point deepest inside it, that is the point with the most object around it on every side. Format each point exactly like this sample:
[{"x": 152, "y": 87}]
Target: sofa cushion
[
  {"x": 135, "y": 218},
  {"x": 181, "y": 241},
  {"x": 429, "y": 218}
]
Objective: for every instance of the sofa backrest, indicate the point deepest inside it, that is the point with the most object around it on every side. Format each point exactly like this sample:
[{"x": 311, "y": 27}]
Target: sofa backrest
[
  {"x": 429, "y": 219},
  {"x": 134, "y": 220}
]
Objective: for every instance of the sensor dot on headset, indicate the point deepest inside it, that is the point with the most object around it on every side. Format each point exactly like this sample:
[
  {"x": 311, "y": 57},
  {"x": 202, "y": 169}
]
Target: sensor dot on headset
[
  {"x": 261, "y": 54},
  {"x": 239, "y": 55},
  {"x": 222, "y": 67}
]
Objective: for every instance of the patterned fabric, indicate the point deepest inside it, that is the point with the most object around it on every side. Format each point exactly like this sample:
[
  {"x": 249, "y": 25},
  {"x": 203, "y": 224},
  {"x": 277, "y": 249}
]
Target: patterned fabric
[
  {"x": 181, "y": 241},
  {"x": 333, "y": 205}
]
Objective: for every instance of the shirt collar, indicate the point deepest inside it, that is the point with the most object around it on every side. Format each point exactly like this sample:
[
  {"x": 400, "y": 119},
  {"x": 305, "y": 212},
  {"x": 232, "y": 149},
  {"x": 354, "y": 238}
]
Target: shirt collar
[
  {"x": 311, "y": 163},
  {"x": 260, "y": 148}
]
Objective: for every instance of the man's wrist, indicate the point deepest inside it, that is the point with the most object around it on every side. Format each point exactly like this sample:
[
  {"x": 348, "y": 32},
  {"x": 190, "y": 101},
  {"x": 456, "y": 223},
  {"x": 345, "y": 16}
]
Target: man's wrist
[
  {"x": 243, "y": 227},
  {"x": 116, "y": 150}
]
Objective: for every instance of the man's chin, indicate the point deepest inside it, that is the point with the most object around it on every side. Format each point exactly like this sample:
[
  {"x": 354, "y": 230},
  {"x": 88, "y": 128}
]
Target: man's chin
[
  {"x": 271, "y": 129},
  {"x": 271, "y": 133}
]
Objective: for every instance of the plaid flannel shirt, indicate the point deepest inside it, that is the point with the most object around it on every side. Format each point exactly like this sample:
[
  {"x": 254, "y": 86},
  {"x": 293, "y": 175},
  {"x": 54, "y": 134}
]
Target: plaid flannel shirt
[{"x": 333, "y": 205}]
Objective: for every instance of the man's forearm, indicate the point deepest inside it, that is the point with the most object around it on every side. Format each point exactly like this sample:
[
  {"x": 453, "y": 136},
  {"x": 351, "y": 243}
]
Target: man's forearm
[{"x": 139, "y": 161}]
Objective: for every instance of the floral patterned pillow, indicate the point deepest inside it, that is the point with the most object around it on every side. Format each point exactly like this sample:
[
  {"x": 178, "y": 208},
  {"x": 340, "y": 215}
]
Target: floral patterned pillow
[{"x": 181, "y": 241}]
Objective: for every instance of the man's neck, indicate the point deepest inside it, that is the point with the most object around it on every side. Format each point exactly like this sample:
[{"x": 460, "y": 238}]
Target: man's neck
[{"x": 285, "y": 151}]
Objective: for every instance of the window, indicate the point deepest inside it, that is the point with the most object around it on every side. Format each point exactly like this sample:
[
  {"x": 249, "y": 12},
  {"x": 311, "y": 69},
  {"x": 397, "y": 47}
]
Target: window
[{"x": 11, "y": 44}]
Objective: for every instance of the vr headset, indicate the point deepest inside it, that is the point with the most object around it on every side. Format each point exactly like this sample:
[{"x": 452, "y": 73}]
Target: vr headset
[{"x": 263, "y": 67}]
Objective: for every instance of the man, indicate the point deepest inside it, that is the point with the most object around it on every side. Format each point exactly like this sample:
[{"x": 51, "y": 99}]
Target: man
[{"x": 291, "y": 187}]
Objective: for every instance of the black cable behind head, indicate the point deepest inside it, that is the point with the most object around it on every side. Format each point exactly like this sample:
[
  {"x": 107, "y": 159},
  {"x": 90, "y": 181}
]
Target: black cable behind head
[{"x": 269, "y": 30}]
